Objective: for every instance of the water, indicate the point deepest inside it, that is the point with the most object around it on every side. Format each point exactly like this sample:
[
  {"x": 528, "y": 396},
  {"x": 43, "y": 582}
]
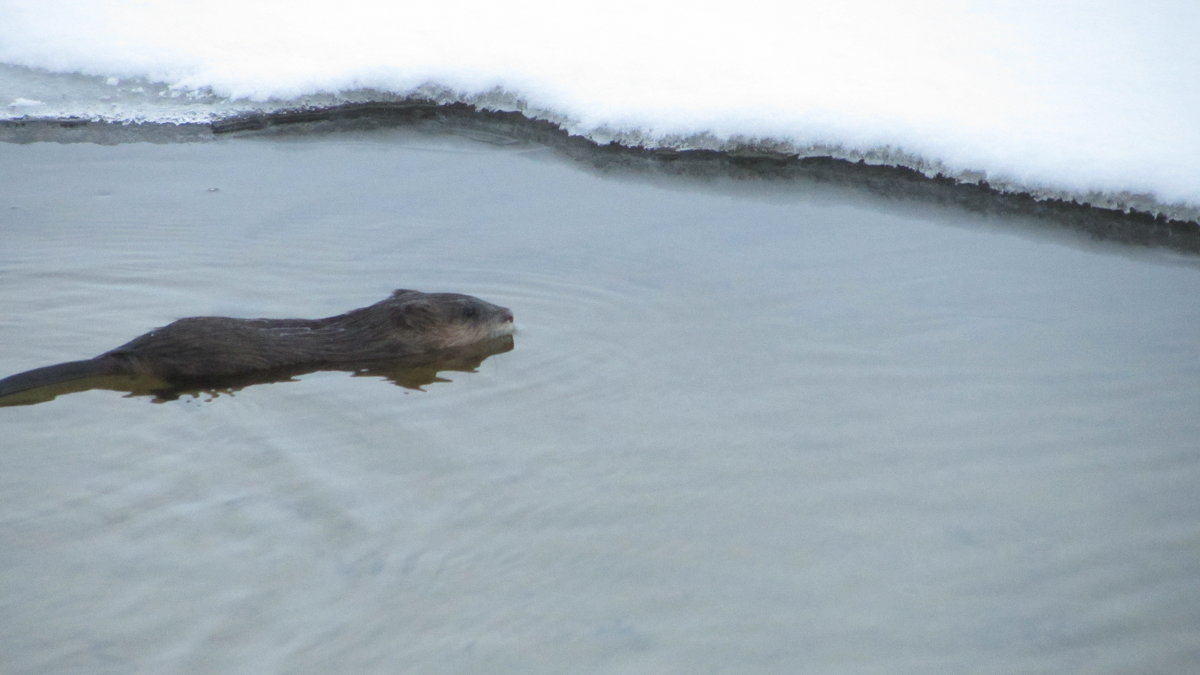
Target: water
[{"x": 744, "y": 427}]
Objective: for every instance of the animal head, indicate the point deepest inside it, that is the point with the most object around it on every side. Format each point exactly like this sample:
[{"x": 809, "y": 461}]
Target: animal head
[{"x": 447, "y": 320}]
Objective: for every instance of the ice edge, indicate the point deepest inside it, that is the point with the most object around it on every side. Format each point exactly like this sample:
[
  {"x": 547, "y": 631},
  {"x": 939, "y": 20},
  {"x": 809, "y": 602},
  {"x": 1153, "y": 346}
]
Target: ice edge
[{"x": 1147, "y": 220}]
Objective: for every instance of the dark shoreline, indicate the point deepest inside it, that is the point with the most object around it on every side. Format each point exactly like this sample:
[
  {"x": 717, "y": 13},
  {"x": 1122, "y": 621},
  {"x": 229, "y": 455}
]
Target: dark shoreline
[{"x": 1130, "y": 227}]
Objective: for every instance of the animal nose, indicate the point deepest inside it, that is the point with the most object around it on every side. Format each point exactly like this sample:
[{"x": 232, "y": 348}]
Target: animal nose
[{"x": 506, "y": 316}]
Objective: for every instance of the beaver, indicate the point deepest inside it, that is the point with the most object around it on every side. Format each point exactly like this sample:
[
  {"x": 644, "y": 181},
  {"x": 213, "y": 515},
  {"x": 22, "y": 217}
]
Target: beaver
[{"x": 214, "y": 349}]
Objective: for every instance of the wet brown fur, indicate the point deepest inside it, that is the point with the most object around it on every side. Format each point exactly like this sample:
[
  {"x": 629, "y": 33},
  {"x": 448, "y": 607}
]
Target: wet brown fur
[{"x": 210, "y": 348}]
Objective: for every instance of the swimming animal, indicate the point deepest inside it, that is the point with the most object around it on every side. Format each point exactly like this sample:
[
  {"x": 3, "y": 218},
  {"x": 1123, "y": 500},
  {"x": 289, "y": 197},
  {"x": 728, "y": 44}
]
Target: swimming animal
[{"x": 212, "y": 348}]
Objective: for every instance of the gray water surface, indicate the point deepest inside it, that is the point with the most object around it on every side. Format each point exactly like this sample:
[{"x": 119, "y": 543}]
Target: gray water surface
[{"x": 745, "y": 427}]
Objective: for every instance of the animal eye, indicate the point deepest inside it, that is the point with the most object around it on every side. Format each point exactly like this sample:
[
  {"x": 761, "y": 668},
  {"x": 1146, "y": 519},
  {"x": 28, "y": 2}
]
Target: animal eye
[{"x": 470, "y": 311}]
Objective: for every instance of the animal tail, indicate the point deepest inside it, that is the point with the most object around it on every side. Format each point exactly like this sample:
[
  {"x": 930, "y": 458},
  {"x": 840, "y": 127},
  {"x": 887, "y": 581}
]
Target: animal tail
[{"x": 56, "y": 374}]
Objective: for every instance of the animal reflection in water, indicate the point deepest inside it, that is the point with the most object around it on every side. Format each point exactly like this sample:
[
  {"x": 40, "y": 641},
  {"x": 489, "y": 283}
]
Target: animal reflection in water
[{"x": 409, "y": 338}]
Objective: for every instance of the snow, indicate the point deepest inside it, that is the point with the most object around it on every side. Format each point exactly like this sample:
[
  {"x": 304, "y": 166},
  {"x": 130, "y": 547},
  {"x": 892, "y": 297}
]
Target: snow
[{"x": 1066, "y": 96}]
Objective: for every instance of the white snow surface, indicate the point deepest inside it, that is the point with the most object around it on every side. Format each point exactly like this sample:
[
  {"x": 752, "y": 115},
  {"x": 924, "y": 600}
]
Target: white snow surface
[{"x": 1095, "y": 101}]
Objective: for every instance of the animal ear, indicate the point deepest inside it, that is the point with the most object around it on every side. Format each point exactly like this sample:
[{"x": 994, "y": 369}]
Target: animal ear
[{"x": 413, "y": 314}]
